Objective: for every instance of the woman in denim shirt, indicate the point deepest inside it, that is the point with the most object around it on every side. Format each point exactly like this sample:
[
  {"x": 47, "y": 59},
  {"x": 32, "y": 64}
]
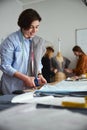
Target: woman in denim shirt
[{"x": 15, "y": 54}]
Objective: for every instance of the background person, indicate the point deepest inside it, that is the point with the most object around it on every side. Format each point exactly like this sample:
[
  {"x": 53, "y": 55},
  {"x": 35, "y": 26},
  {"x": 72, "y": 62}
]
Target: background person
[
  {"x": 81, "y": 66},
  {"x": 48, "y": 71}
]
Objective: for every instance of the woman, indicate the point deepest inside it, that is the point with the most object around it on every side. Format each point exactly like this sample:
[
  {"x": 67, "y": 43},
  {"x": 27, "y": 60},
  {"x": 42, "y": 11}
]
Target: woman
[
  {"x": 81, "y": 67},
  {"x": 16, "y": 57},
  {"x": 48, "y": 71}
]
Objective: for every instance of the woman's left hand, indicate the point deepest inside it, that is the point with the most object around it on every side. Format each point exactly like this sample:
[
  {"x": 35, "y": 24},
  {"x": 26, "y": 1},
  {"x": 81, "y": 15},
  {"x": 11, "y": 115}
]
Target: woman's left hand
[{"x": 42, "y": 80}]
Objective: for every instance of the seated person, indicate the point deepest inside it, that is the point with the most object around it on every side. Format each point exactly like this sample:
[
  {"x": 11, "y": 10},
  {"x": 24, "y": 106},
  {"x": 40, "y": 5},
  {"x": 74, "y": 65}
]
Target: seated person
[
  {"x": 47, "y": 71},
  {"x": 81, "y": 67}
]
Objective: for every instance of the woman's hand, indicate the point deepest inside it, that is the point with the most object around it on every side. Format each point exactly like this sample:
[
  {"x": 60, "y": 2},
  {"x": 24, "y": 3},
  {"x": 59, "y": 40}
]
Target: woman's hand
[
  {"x": 29, "y": 82},
  {"x": 68, "y": 70},
  {"x": 55, "y": 71},
  {"x": 41, "y": 79}
]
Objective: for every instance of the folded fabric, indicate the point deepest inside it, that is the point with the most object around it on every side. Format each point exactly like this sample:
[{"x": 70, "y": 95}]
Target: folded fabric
[{"x": 63, "y": 88}]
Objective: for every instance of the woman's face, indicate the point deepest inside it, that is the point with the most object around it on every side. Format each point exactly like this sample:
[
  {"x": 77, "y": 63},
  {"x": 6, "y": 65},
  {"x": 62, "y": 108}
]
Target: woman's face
[
  {"x": 51, "y": 54},
  {"x": 29, "y": 33},
  {"x": 77, "y": 53}
]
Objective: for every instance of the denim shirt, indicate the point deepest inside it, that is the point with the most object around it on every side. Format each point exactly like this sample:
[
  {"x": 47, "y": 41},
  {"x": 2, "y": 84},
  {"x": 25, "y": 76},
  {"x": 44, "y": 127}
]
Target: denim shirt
[{"x": 14, "y": 53}]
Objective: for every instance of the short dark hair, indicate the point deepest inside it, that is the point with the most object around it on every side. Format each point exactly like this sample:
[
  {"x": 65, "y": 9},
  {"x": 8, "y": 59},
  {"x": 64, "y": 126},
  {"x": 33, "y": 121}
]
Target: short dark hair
[{"x": 27, "y": 17}]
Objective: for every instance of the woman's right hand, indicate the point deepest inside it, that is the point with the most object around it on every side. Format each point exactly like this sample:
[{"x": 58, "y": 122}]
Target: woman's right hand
[{"x": 29, "y": 82}]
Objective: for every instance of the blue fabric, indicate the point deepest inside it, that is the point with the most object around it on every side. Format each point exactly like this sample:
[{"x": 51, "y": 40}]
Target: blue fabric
[{"x": 64, "y": 88}]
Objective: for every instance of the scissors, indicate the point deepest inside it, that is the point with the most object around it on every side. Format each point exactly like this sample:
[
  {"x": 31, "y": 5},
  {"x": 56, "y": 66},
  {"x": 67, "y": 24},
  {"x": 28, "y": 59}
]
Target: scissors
[{"x": 36, "y": 81}]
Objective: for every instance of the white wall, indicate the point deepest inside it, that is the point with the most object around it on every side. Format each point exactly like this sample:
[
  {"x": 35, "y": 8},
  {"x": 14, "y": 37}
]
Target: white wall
[
  {"x": 9, "y": 12},
  {"x": 60, "y": 19}
]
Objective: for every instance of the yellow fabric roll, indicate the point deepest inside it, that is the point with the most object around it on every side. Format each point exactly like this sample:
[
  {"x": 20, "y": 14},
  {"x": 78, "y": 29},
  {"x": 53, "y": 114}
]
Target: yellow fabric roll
[{"x": 74, "y": 104}]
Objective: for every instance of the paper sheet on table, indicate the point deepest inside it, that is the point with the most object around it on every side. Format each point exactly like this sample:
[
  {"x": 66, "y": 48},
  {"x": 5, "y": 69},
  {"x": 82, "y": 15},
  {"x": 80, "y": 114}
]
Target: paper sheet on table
[{"x": 28, "y": 98}]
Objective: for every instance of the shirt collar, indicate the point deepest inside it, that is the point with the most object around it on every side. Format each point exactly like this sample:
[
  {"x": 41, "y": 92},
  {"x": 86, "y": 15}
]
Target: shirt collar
[{"x": 24, "y": 37}]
